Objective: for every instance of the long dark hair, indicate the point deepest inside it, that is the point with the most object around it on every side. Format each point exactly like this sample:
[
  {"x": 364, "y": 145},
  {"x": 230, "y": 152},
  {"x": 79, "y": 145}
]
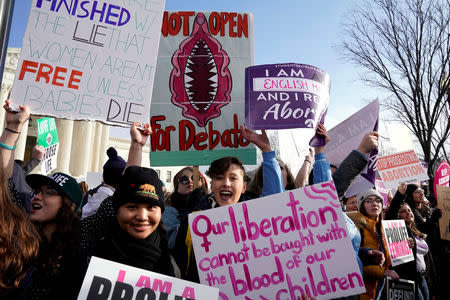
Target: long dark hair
[
  {"x": 413, "y": 225},
  {"x": 65, "y": 240},
  {"x": 19, "y": 241}
]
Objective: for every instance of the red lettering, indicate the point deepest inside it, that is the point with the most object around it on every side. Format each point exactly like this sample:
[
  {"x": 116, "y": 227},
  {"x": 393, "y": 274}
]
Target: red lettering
[
  {"x": 226, "y": 139},
  {"x": 223, "y": 20},
  {"x": 174, "y": 24},
  {"x": 56, "y": 77},
  {"x": 214, "y": 23},
  {"x": 201, "y": 137},
  {"x": 214, "y": 136},
  {"x": 155, "y": 126},
  {"x": 164, "y": 26},
  {"x": 73, "y": 79},
  {"x": 185, "y": 15},
  {"x": 183, "y": 143},
  {"x": 232, "y": 25},
  {"x": 235, "y": 130},
  {"x": 26, "y": 64},
  {"x": 242, "y": 25},
  {"x": 44, "y": 73}
]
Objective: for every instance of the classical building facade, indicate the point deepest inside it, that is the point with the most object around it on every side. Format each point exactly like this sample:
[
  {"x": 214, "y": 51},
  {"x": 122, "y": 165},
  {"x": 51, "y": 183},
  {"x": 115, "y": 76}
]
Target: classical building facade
[{"x": 82, "y": 144}]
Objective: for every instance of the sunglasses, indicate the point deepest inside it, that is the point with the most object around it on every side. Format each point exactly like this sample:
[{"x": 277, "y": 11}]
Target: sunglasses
[{"x": 185, "y": 180}]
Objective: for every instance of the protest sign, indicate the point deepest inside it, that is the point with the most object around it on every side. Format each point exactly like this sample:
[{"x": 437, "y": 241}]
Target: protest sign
[
  {"x": 398, "y": 168},
  {"x": 91, "y": 60},
  {"x": 384, "y": 192},
  {"x": 397, "y": 241},
  {"x": 198, "y": 106},
  {"x": 105, "y": 278},
  {"x": 48, "y": 138},
  {"x": 401, "y": 289},
  {"x": 282, "y": 96},
  {"x": 346, "y": 137},
  {"x": 443, "y": 201},
  {"x": 280, "y": 246},
  {"x": 442, "y": 176}
]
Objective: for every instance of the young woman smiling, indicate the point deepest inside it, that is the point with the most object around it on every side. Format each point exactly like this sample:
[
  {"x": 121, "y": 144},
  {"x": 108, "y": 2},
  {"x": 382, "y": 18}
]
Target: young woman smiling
[
  {"x": 178, "y": 203},
  {"x": 368, "y": 220}
]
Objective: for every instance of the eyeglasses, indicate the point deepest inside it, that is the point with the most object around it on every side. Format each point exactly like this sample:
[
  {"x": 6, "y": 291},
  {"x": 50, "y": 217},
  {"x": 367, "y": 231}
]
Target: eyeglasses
[
  {"x": 46, "y": 192},
  {"x": 373, "y": 200},
  {"x": 419, "y": 191}
]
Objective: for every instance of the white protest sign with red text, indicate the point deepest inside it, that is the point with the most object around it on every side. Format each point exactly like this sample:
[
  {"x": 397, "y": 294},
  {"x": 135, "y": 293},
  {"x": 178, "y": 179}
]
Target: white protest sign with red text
[
  {"x": 277, "y": 247},
  {"x": 403, "y": 167},
  {"x": 105, "y": 278},
  {"x": 89, "y": 60},
  {"x": 397, "y": 241}
]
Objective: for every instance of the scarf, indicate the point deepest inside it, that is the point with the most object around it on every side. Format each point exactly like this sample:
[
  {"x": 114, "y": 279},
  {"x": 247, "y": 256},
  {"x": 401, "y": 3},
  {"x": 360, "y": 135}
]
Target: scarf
[{"x": 150, "y": 253}]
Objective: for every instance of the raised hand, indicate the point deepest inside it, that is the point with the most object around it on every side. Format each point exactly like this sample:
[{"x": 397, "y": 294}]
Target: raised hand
[
  {"x": 139, "y": 135},
  {"x": 259, "y": 139},
  {"x": 369, "y": 142},
  {"x": 15, "y": 120},
  {"x": 321, "y": 130}
]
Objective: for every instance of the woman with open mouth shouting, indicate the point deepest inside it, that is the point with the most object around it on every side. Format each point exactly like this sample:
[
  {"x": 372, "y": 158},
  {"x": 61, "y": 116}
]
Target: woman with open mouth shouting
[
  {"x": 228, "y": 187},
  {"x": 54, "y": 206}
]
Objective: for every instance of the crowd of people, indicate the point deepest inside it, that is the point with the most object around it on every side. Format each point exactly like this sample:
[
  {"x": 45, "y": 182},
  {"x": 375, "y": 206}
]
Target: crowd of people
[{"x": 48, "y": 235}]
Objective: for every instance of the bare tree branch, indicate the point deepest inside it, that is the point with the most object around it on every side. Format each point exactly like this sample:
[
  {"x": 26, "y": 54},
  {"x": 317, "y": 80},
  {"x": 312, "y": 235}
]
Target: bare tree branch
[{"x": 404, "y": 48}]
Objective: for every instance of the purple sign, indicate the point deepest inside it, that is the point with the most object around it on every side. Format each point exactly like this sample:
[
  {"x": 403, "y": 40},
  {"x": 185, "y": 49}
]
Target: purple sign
[
  {"x": 283, "y": 96},
  {"x": 346, "y": 136}
]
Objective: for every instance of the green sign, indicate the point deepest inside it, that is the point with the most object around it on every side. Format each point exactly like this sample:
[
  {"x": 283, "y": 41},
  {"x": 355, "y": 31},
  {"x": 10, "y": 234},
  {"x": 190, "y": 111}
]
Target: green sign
[{"x": 48, "y": 138}]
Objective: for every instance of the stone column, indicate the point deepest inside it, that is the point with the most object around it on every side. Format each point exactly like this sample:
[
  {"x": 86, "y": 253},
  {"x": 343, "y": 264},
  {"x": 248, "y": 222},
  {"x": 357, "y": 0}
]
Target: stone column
[
  {"x": 96, "y": 155},
  {"x": 65, "y": 129},
  {"x": 81, "y": 148},
  {"x": 104, "y": 145}
]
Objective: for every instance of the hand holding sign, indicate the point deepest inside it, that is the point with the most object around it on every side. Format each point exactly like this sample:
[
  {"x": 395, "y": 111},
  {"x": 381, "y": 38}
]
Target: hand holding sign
[
  {"x": 260, "y": 140},
  {"x": 140, "y": 135},
  {"x": 368, "y": 143},
  {"x": 322, "y": 131},
  {"x": 38, "y": 152},
  {"x": 15, "y": 120}
]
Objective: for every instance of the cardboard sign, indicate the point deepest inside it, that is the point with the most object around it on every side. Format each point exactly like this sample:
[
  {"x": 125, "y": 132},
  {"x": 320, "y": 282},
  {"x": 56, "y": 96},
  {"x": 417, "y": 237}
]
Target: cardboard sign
[
  {"x": 105, "y": 278},
  {"x": 346, "y": 136},
  {"x": 400, "y": 290},
  {"x": 90, "y": 60},
  {"x": 282, "y": 96},
  {"x": 198, "y": 106},
  {"x": 48, "y": 138},
  {"x": 277, "y": 247},
  {"x": 442, "y": 176},
  {"x": 397, "y": 241},
  {"x": 403, "y": 167},
  {"x": 443, "y": 201}
]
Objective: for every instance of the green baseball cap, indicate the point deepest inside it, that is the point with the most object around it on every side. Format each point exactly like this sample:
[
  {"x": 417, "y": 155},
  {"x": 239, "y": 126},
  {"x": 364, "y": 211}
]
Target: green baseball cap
[{"x": 64, "y": 183}]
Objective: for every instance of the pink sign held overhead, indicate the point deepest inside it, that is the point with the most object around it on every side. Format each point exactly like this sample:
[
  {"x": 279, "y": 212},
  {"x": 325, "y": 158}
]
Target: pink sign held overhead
[
  {"x": 277, "y": 247},
  {"x": 442, "y": 176}
]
